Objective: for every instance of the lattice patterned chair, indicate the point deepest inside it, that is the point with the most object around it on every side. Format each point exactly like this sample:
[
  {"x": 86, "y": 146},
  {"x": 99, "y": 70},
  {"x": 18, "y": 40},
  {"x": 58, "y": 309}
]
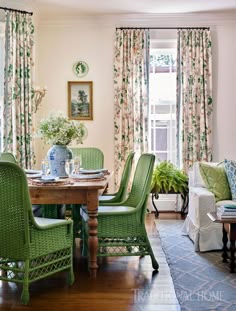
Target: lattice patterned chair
[
  {"x": 8, "y": 156},
  {"x": 31, "y": 248},
  {"x": 121, "y": 228},
  {"x": 121, "y": 194},
  {"x": 92, "y": 158}
]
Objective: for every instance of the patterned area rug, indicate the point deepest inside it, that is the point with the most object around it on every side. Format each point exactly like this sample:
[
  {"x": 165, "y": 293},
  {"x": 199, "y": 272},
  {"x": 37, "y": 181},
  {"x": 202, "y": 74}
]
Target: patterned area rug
[{"x": 201, "y": 280}]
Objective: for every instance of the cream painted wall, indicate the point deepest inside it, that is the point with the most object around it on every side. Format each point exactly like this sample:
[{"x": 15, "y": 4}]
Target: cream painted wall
[
  {"x": 58, "y": 49},
  {"x": 224, "y": 78}
]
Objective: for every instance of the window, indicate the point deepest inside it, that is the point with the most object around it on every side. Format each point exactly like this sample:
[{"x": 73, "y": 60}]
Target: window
[{"x": 162, "y": 99}]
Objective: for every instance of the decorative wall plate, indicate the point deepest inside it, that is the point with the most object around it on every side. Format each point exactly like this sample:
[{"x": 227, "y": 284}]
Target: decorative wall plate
[{"x": 80, "y": 69}]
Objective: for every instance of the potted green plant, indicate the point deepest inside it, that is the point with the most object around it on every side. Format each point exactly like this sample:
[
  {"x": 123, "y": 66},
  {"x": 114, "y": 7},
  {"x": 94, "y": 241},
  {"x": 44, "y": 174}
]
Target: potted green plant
[{"x": 167, "y": 178}]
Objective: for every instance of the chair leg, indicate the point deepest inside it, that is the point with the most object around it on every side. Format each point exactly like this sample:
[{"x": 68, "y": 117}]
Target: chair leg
[
  {"x": 25, "y": 292},
  {"x": 71, "y": 277},
  {"x": 84, "y": 240},
  {"x": 76, "y": 219},
  {"x": 155, "y": 264}
]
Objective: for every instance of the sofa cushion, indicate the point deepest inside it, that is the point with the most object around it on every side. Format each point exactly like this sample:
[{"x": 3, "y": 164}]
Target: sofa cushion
[
  {"x": 216, "y": 181},
  {"x": 230, "y": 169}
]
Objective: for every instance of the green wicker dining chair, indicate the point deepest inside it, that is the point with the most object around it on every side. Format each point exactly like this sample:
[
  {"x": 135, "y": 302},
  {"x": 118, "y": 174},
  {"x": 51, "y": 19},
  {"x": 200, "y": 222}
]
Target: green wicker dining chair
[
  {"x": 121, "y": 227},
  {"x": 31, "y": 248},
  {"x": 121, "y": 194},
  {"x": 91, "y": 158},
  {"x": 8, "y": 156}
]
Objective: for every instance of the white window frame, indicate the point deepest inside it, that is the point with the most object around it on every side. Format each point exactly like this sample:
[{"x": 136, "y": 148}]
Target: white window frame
[
  {"x": 171, "y": 148},
  {"x": 165, "y": 39}
]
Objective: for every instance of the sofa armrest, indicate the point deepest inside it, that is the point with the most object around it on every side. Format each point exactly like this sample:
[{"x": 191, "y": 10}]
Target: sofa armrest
[{"x": 201, "y": 202}]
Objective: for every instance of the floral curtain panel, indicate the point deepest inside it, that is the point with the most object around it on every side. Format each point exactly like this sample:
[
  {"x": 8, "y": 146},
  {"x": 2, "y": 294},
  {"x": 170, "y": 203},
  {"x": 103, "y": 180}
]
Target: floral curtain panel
[
  {"x": 17, "y": 108},
  {"x": 194, "y": 97},
  {"x": 130, "y": 95}
]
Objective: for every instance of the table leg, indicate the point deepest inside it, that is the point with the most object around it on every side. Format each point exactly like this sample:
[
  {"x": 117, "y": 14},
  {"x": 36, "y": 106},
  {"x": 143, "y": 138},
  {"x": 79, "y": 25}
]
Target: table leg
[
  {"x": 225, "y": 241},
  {"x": 92, "y": 208},
  {"x": 232, "y": 255},
  {"x": 232, "y": 246}
]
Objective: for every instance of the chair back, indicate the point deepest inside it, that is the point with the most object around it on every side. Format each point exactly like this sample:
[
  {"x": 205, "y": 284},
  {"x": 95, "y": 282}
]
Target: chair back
[
  {"x": 15, "y": 208},
  {"x": 122, "y": 192},
  {"x": 92, "y": 158},
  {"x": 7, "y": 156},
  {"x": 141, "y": 184}
]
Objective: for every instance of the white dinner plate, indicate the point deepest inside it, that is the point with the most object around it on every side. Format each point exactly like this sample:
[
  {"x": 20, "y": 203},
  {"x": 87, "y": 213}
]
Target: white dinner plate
[
  {"x": 34, "y": 175},
  {"x": 32, "y": 171},
  {"x": 48, "y": 179},
  {"x": 97, "y": 171}
]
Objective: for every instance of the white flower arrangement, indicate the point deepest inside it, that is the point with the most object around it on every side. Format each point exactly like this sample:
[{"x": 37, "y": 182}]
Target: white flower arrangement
[{"x": 59, "y": 130}]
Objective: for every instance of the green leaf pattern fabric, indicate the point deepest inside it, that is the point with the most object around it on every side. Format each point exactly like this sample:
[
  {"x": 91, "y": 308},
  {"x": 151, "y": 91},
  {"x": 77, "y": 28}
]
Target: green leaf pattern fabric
[
  {"x": 131, "y": 53},
  {"x": 194, "y": 96},
  {"x": 17, "y": 109},
  {"x": 216, "y": 181}
]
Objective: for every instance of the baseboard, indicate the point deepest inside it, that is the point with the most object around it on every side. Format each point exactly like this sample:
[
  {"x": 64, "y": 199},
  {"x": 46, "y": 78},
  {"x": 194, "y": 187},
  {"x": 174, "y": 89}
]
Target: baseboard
[{"x": 167, "y": 202}]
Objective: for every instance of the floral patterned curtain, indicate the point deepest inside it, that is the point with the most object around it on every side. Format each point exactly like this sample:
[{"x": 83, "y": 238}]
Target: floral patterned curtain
[
  {"x": 194, "y": 97},
  {"x": 130, "y": 95},
  {"x": 17, "y": 109}
]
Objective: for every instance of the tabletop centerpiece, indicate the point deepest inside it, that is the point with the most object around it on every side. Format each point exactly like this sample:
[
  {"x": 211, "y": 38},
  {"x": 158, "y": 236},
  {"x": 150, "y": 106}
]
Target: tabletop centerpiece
[{"x": 59, "y": 131}]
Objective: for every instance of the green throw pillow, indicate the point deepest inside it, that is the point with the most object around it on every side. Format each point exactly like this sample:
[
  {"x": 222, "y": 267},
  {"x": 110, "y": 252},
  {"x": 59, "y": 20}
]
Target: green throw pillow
[{"x": 216, "y": 181}]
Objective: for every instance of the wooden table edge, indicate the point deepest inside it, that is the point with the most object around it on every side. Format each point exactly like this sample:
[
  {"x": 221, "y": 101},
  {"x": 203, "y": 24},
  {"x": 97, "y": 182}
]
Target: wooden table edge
[{"x": 215, "y": 218}]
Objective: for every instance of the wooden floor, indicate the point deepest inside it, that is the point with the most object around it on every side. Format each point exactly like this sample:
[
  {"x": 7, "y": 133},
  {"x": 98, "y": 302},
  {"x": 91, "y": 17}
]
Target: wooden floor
[{"x": 122, "y": 284}]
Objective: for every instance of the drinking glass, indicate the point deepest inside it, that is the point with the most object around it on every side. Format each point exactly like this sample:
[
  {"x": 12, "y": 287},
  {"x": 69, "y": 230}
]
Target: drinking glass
[
  {"x": 77, "y": 163},
  {"x": 69, "y": 167},
  {"x": 44, "y": 166}
]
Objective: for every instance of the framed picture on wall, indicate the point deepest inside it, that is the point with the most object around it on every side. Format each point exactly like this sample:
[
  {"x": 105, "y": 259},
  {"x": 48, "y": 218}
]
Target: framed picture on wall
[{"x": 80, "y": 100}]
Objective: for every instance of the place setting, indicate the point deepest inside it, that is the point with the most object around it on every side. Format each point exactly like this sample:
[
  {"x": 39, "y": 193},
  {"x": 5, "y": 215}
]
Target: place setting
[
  {"x": 43, "y": 176},
  {"x": 74, "y": 170},
  {"x": 74, "y": 173},
  {"x": 80, "y": 174},
  {"x": 33, "y": 173}
]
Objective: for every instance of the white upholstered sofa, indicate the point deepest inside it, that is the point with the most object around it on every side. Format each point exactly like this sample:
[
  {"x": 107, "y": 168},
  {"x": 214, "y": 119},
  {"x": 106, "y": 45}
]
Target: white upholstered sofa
[{"x": 205, "y": 234}]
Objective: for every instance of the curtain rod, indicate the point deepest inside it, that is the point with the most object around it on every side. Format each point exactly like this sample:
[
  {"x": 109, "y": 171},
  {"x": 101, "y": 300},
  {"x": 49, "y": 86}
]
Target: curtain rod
[
  {"x": 15, "y": 10},
  {"x": 122, "y": 28}
]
